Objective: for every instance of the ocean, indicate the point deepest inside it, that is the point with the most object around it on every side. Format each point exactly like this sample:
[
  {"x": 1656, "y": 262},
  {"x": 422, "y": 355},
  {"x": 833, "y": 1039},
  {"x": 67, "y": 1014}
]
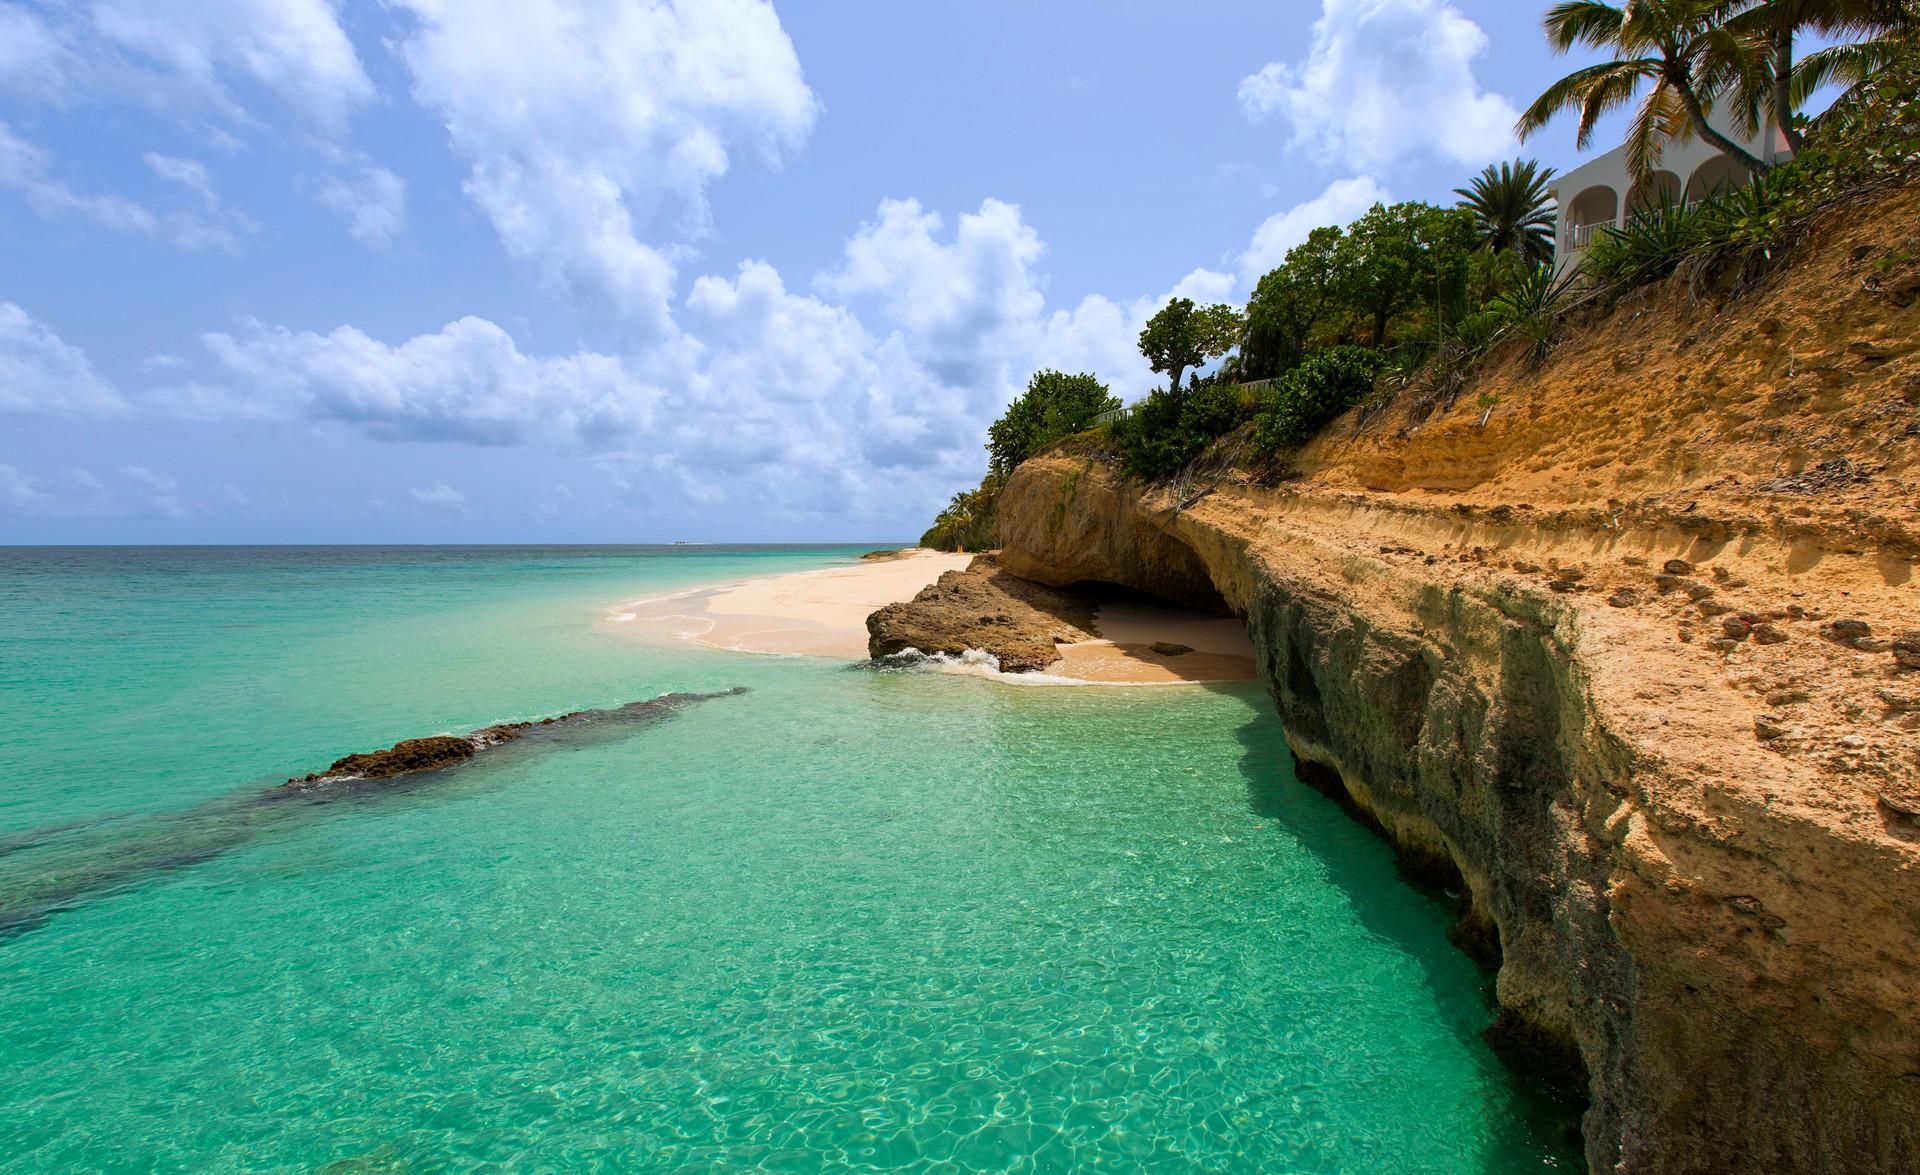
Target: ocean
[{"x": 847, "y": 920}]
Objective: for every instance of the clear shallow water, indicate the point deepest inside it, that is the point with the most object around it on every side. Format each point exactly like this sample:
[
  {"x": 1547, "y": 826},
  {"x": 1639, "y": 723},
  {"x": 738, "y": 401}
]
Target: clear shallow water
[{"x": 848, "y": 919}]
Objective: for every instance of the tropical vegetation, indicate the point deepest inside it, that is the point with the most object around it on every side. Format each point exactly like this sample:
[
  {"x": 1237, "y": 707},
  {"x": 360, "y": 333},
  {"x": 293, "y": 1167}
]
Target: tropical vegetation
[{"x": 1404, "y": 302}]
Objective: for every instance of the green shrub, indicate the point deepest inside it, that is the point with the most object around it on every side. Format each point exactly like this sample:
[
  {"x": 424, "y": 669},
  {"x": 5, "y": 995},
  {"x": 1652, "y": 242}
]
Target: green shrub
[
  {"x": 1054, "y": 407},
  {"x": 1312, "y": 394},
  {"x": 1169, "y": 430},
  {"x": 1648, "y": 247}
]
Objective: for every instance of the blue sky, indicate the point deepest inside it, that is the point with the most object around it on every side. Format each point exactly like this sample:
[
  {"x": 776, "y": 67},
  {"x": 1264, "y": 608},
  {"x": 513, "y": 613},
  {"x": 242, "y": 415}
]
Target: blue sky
[{"x": 587, "y": 270}]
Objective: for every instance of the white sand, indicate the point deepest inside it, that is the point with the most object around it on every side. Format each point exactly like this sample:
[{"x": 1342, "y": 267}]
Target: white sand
[
  {"x": 824, "y": 614},
  {"x": 817, "y": 613}
]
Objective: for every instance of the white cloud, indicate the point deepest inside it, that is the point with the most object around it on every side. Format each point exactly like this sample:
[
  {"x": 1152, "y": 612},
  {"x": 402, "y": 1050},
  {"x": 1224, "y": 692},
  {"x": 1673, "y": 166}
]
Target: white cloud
[
  {"x": 27, "y": 169},
  {"x": 41, "y": 373},
  {"x": 34, "y": 60},
  {"x": 374, "y": 203},
  {"x": 296, "y": 48},
  {"x": 77, "y": 493},
  {"x": 1383, "y": 79},
  {"x": 587, "y": 122},
  {"x": 439, "y": 494},
  {"x": 20, "y": 495},
  {"x": 155, "y": 493},
  {"x": 24, "y": 167},
  {"x": 1342, "y": 202},
  {"x": 467, "y": 382},
  {"x": 189, "y": 174}
]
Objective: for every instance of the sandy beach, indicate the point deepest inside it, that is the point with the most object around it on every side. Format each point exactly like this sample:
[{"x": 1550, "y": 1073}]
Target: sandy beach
[{"x": 824, "y": 614}]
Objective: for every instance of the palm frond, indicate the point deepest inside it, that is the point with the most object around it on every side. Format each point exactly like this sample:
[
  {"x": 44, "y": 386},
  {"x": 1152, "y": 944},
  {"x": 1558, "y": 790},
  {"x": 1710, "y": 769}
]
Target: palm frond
[{"x": 1584, "y": 22}]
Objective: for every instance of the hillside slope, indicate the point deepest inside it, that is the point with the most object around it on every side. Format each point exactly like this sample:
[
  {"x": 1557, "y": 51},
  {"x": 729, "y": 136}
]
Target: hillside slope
[{"x": 1626, "y": 640}]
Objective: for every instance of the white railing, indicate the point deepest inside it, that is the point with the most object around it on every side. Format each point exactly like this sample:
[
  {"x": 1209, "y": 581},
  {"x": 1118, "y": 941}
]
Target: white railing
[{"x": 1583, "y": 234}]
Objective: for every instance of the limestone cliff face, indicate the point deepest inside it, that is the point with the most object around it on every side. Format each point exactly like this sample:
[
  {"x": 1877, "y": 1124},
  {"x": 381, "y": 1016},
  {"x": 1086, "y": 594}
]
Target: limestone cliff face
[{"x": 1645, "y": 689}]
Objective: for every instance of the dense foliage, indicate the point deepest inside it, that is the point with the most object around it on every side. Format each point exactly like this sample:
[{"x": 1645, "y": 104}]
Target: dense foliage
[
  {"x": 1168, "y": 430},
  {"x": 968, "y": 523},
  {"x": 1053, "y": 407},
  {"x": 1409, "y": 298},
  {"x": 1513, "y": 209},
  {"x": 1183, "y": 336},
  {"x": 1695, "y": 59},
  {"x": 1315, "y": 392}
]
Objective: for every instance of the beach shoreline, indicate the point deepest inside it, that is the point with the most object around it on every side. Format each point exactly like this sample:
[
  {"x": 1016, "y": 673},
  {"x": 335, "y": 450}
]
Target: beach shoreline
[{"x": 823, "y": 613}]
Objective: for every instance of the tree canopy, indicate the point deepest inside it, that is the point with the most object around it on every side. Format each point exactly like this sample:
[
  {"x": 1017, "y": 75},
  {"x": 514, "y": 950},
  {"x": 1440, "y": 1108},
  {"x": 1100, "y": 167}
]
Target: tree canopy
[
  {"x": 1183, "y": 335},
  {"x": 1054, "y": 406}
]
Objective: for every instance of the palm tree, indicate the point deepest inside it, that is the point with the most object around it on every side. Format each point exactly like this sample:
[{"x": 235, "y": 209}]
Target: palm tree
[
  {"x": 1682, "y": 47},
  {"x": 1769, "y": 27},
  {"x": 1513, "y": 209}
]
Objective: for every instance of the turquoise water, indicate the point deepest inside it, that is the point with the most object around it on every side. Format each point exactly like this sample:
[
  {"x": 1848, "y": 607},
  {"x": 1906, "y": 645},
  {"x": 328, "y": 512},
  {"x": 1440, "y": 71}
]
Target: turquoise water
[{"x": 847, "y": 920}]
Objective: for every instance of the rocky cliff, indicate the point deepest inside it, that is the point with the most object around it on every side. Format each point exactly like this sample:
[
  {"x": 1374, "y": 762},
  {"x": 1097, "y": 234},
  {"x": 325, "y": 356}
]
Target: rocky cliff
[{"x": 1622, "y": 639}]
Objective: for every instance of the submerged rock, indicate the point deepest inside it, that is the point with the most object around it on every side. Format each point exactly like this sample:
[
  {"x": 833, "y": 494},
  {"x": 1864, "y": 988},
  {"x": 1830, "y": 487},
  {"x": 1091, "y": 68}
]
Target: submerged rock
[{"x": 438, "y": 751}]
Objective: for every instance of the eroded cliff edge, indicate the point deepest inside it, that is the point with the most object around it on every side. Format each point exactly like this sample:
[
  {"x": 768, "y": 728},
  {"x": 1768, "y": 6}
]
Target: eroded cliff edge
[{"x": 1623, "y": 639}]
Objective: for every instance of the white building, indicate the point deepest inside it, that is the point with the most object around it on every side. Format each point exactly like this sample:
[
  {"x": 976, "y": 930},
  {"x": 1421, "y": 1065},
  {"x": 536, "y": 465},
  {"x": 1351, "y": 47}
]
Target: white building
[{"x": 1600, "y": 194}]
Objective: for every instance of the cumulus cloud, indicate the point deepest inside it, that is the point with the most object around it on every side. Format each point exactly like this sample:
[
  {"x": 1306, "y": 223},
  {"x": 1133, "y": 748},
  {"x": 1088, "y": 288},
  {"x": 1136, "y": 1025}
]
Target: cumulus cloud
[
  {"x": 1383, "y": 79},
  {"x": 587, "y": 123},
  {"x": 1341, "y": 203},
  {"x": 373, "y": 200},
  {"x": 467, "y": 382},
  {"x": 41, "y": 373},
  {"x": 294, "y": 48}
]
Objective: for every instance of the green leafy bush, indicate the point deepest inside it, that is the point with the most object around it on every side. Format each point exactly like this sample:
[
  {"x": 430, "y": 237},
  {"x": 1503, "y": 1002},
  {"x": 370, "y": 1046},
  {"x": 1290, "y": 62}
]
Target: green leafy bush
[
  {"x": 1648, "y": 247},
  {"x": 1169, "y": 430},
  {"x": 1054, "y": 407},
  {"x": 1312, "y": 394}
]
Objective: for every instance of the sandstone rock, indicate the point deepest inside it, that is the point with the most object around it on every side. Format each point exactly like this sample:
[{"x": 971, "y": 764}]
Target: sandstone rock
[
  {"x": 1736, "y": 628},
  {"x": 1624, "y": 598},
  {"x": 1768, "y": 634},
  {"x": 1906, "y": 650},
  {"x": 1786, "y": 697},
  {"x": 1767, "y": 727},
  {"x": 1667, "y": 583},
  {"x": 987, "y": 608},
  {"x": 1712, "y": 607},
  {"x": 1699, "y": 591},
  {"x": 1846, "y": 630},
  {"x": 1901, "y": 799},
  {"x": 1677, "y": 567},
  {"x": 1170, "y": 648}
]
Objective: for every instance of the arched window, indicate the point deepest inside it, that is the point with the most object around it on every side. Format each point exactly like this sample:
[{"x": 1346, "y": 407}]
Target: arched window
[
  {"x": 1657, "y": 191},
  {"x": 1715, "y": 176},
  {"x": 1590, "y": 211}
]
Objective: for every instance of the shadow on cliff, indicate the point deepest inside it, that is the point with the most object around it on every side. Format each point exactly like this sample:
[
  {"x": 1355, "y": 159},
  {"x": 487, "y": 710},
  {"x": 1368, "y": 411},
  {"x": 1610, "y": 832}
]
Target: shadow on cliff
[{"x": 1413, "y": 915}]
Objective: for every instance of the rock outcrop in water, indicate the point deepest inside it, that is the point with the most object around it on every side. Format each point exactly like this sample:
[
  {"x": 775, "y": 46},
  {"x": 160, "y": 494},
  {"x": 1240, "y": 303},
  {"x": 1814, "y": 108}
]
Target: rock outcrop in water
[
  {"x": 439, "y": 751},
  {"x": 1623, "y": 653},
  {"x": 44, "y": 871}
]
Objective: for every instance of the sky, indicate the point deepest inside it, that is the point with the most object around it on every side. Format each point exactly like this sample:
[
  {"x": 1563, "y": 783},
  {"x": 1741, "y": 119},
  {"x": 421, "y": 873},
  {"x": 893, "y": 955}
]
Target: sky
[{"x": 644, "y": 271}]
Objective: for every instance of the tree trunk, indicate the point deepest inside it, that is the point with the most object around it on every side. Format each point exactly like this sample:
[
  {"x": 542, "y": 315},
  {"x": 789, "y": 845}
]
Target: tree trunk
[
  {"x": 1177, "y": 373},
  {"x": 1682, "y": 85},
  {"x": 1379, "y": 329},
  {"x": 1783, "y": 88}
]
